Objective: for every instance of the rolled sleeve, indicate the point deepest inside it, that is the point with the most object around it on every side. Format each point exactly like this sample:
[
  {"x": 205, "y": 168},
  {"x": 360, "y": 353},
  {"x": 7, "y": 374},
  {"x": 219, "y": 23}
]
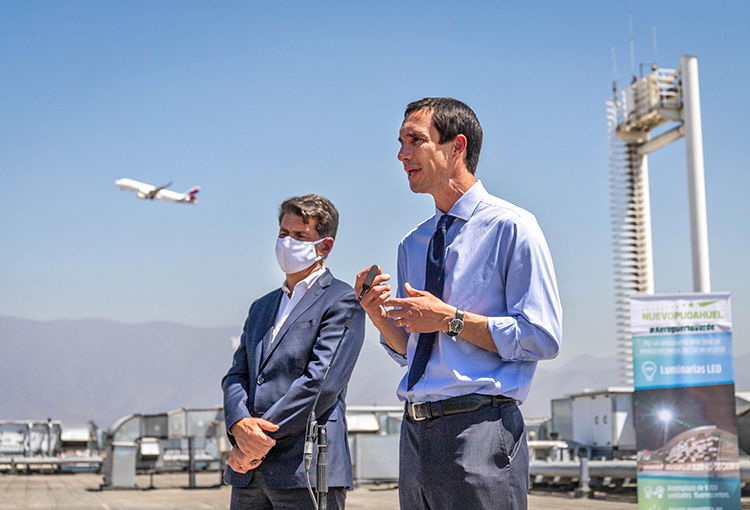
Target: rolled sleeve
[
  {"x": 401, "y": 359},
  {"x": 532, "y": 331},
  {"x": 398, "y": 358},
  {"x": 521, "y": 341}
]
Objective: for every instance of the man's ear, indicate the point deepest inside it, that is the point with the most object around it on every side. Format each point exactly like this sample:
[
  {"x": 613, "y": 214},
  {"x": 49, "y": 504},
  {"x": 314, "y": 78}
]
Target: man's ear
[
  {"x": 459, "y": 146},
  {"x": 324, "y": 247}
]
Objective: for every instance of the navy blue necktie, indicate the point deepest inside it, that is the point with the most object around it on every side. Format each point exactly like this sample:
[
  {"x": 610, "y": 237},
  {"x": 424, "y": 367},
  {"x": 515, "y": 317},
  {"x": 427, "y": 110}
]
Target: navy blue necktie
[{"x": 433, "y": 283}]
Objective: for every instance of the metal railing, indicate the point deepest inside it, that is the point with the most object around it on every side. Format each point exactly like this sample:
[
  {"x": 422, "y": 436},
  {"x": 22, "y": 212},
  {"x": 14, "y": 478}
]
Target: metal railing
[{"x": 639, "y": 104}]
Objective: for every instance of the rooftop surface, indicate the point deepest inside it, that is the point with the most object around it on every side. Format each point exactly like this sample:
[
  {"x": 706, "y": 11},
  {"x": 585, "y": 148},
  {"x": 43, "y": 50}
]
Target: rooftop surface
[{"x": 81, "y": 492}]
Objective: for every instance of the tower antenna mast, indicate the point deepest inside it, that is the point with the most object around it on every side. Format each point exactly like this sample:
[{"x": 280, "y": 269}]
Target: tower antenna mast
[
  {"x": 632, "y": 42},
  {"x": 614, "y": 69}
]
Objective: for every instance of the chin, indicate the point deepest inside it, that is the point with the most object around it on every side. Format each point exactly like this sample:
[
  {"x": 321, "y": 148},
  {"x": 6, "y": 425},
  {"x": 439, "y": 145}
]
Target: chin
[{"x": 415, "y": 187}]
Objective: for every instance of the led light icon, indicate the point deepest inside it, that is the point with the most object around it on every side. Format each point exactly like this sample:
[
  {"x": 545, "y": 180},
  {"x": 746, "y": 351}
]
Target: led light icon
[{"x": 649, "y": 370}]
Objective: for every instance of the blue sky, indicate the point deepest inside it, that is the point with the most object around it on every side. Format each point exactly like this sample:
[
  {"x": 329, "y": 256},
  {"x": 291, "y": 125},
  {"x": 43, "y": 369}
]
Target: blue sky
[{"x": 256, "y": 102}]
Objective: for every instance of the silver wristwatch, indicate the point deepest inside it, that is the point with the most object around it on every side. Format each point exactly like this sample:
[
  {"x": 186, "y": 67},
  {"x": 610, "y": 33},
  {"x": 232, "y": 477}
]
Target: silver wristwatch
[{"x": 456, "y": 325}]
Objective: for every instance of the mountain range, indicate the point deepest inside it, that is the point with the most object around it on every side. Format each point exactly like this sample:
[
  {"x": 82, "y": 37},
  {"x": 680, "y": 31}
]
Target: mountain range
[{"x": 100, "y": 370}]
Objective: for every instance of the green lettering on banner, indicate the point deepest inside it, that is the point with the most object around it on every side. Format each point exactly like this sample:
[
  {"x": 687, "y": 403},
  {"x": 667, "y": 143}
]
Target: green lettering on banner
[{"x": 665, "y": 316}]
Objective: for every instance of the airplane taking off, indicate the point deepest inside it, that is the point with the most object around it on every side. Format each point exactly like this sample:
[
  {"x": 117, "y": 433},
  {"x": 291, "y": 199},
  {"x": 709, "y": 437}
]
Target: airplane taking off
[{"x": 147, "y": 191}]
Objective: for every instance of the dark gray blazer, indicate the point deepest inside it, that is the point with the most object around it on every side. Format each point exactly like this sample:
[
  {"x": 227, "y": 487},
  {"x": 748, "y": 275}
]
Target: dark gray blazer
[{"x": 278, "y": 382}]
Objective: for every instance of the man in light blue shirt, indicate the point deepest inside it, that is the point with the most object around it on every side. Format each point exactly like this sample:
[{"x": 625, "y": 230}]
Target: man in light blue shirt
[{"x": 472, "y": 344}]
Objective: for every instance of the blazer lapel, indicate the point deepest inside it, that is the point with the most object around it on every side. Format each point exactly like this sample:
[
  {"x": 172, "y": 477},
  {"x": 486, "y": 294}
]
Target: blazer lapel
[
  {"x": 311, "y": 296},
  {"x": 270, "y": 322}
]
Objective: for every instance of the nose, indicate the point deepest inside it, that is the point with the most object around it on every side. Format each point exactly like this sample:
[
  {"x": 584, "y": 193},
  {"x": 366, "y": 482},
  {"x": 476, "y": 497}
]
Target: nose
[{"x": 404, "y": 153}]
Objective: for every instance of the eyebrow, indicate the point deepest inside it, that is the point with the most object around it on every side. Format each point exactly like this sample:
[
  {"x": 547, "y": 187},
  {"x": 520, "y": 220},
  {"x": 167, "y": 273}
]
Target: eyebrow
[
  {"x": 299, "y": 233},
  {"x": 411, "y": 134}
]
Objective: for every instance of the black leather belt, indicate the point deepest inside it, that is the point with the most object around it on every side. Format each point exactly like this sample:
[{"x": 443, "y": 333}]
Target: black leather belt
[{"x": 418, "y": 411}]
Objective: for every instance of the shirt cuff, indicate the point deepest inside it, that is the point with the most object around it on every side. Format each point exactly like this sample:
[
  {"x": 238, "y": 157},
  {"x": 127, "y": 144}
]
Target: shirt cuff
[
  {"x": 504, "y": 331},
  {"x": 398, "y": 358}
]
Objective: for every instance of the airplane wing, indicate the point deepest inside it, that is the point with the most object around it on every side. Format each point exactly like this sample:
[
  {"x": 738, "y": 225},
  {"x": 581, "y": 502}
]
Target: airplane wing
[{"x": 152, "y": 193}]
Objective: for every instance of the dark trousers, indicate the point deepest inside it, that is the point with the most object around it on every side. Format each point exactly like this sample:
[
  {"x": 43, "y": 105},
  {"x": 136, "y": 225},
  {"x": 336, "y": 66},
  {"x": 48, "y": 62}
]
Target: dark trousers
[
  {"x": 475, "y": 460},
  {"x": 258, "y": 496}
]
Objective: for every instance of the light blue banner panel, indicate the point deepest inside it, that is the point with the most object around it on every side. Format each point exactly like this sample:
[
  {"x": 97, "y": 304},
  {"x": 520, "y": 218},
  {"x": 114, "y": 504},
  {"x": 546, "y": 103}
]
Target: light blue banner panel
[{"x": 667, "y": 361}]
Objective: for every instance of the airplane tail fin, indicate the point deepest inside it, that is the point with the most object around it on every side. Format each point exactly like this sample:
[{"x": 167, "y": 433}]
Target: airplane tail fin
[{"x": 190, "y": 195}]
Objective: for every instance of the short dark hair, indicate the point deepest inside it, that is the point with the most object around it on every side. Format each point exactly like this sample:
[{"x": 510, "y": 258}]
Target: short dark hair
[
  {"x": 316, "y": 207},
  {"x": 451, "y": 118}
]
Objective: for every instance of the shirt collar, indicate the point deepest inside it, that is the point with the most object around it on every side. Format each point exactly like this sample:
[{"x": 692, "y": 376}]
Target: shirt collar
[
  {"x": 307, "y": 282},
  {"x": 465, "y": 206}
]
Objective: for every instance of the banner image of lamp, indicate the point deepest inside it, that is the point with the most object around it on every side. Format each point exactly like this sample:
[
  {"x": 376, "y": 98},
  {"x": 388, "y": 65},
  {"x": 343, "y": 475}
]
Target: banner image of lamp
[
  {"x": 649, "y": 370},
  {"x": 665, "y": 416}
]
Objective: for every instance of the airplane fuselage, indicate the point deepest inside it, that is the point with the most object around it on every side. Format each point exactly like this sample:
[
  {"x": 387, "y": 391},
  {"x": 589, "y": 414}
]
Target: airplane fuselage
[{"x": 148, "y": 192}]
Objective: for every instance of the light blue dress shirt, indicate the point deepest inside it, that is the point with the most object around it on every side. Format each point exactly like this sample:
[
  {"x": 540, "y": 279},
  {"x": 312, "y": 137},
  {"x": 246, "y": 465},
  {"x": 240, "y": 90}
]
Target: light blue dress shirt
[{"x": 497, "y": 264}]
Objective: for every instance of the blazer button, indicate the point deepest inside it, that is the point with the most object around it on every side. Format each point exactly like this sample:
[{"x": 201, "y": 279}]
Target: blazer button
[{"x": 260, "y": 380}]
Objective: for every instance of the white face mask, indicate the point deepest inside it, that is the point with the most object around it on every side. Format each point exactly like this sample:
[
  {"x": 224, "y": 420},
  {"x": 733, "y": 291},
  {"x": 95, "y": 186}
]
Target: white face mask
[{"x": 294, "y": 256}]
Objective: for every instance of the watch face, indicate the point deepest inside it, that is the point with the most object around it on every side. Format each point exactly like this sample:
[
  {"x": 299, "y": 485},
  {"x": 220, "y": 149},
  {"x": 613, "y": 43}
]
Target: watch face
[{"x": 456, "y": 325}]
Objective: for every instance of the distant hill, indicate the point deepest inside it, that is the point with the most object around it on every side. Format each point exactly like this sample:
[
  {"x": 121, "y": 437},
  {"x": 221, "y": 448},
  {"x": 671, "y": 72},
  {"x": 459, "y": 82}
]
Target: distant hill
[
  {"x": 93, "y": 369},
  {"x": 101, "y": 370}
]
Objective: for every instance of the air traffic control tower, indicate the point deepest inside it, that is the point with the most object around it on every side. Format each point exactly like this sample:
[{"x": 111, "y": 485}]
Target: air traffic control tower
[{"x": 665, "y": 96}]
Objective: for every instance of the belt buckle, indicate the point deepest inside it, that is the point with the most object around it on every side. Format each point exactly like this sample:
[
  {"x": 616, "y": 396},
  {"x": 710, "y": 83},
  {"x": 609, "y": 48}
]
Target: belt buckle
[{"x": 414, "y": 411}]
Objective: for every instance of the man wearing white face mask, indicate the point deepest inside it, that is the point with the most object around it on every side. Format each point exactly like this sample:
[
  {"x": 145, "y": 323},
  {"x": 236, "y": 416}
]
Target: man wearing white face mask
[{"x": 286, "y": 345}]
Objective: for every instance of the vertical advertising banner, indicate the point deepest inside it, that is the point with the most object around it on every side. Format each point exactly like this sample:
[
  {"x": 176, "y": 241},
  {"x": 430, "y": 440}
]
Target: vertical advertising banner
[{"x": 686, "y": 431}]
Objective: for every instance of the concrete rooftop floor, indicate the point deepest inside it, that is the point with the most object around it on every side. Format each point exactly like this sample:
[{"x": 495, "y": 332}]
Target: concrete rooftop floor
[{"x": 81, "y": 492}]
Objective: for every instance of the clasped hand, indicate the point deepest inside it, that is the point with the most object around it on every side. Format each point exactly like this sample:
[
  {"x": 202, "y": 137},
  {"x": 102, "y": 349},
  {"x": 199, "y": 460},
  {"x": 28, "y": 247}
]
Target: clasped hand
[{"x": 252, "y": 443}]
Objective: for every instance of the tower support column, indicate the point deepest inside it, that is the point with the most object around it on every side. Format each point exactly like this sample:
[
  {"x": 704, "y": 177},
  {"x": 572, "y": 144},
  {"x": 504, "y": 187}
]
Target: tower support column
[{"x": 695, "y": 172}]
